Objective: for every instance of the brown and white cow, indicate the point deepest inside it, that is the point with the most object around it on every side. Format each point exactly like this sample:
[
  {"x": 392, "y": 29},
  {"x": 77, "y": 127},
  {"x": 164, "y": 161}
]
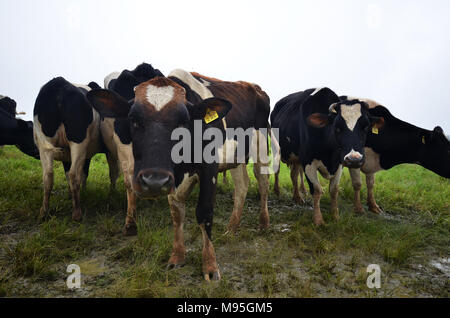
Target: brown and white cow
[
  {"x": 163, "y": 104},
  {"x": 67, "y": 129}
]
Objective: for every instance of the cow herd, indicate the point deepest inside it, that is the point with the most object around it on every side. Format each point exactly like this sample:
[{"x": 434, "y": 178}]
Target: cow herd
[{"x": 134, "y": 118}]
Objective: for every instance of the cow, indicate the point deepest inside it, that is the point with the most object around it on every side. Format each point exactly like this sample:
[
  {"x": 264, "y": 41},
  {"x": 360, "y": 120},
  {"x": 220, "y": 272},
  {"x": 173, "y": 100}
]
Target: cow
[
  {"x": 320, "y": 133},
  {"x": 67, "y": 129},
  {"x": 119, "y": 147},
  {"x": 123, "y": 83},
  {"x": 251, "y": 109},
  {"x": 160, "y": 106},
  {"x": 398, "y": 142},
  {"x": 14, "y": 131}
]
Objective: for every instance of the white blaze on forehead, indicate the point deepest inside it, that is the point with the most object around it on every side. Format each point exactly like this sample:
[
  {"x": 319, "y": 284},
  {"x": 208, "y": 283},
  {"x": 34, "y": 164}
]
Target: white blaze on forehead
[
  {"x": 351, "y": 114},
  {"x": 159, "y": 96},
  {"x": 193, "y": 83}
]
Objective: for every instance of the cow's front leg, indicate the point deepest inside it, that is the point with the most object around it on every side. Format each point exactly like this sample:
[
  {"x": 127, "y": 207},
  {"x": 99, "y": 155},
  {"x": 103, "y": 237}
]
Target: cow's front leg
[
  {"x": 241, "y": 182},
  {"x": 177, "y": 211},
  {"x": 316, "y": 191},
  {"x": 356, "y": 183},
  {"x": 130, "y": 228},
  {"x": 334, "y": 191},
  {"x": 373, "y": 206},
  {"x": 205, "y": 212}
]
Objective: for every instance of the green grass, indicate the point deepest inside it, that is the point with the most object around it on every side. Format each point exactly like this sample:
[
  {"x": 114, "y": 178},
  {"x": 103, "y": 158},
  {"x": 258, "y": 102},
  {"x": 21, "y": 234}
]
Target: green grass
[{"x": 293, "y": 258}]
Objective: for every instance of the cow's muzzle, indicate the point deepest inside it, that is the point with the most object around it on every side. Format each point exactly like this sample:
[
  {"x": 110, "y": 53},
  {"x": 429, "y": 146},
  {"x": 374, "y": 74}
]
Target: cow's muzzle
[
  {"x": 353, "y": 159},
  {"x": 153, "y": 183}
]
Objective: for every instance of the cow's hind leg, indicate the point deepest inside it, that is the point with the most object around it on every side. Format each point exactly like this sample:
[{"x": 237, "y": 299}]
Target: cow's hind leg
[
  {"x": 241, "y": 182},
  {"x": 77, "y": 154},
  {"x": 276, "y": 184},
  {"x": 66, "y": 166},
  {"x": 263, "y": 187},
  {"x": 334, "y": 191},
  {"x": 356, "y": 183},
  {"x": 302, "y": 182},
  {"x": 373, "y": 206},
  {"x": 178, "y": 211},
  {"x": 316, "y": 191},
  {"x": 85, "y": 174},
  {"x": 295, "y": 172},
  {"x": 47, "y": 176},
  {"x": 114, "y": 171}
]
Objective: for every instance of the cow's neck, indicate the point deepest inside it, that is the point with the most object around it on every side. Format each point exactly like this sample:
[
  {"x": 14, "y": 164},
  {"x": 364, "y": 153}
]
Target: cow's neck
[{"x": 399, "y": 143}]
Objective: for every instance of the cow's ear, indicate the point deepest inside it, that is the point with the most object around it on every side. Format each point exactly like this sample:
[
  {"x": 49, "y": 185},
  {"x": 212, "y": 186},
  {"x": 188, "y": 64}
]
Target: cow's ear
[
  {"x": 377, "y": 122},
  {"x": 109, "y": 103},
  {"x": 318, "y": 120},
  {"x": 209, "y": 110}
]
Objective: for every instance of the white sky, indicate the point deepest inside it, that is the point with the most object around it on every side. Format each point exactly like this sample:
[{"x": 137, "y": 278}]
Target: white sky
[{"x": 396, "y": 52}]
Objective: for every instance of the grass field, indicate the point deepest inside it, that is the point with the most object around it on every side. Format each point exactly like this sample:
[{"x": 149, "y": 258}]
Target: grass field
[{"x": 410, "y": 242}]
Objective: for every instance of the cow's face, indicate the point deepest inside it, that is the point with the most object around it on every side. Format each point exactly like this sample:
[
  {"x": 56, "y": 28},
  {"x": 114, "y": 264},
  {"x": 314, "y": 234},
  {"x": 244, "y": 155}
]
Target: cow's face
[
  {"x": 348, "y": 123},
  {"x": 159, "y": 108},
  {"x": 435, "y": 152}
]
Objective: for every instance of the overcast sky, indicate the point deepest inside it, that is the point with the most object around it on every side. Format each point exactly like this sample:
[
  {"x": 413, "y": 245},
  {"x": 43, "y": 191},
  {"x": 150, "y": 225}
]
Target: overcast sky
[{"x": 396, "y": 52}]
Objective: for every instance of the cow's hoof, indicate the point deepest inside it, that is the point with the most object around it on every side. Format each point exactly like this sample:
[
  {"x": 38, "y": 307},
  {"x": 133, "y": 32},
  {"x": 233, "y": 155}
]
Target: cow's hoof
[
  {"x": 77, "y": 216},
  {"x": 318, "y": 221},
  {"x": 375, "y": 209},
  {"x": 129, "y": 230},
  {"x": 212, "y": 276},
  {"x": 359, "y": 210},
  {"x": 299, "y": 200},
  {"x": 276, "y": 190},
  {"x": 263, "y": 227},
  {"x": 232, "y": 227},
  {"x": 172, "y": 266},
  {"x": 42, "y": 213}
]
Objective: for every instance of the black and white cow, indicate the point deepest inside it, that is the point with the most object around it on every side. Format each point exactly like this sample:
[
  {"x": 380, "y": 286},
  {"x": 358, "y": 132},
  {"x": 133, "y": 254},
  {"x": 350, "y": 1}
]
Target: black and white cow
[
  {"x": 319, "y": 132},
  {"x": 123, "y": 83},
  {"x": 67, "y": 129},
  {"x": 396, "y": 143},
  {"x": 160, "y": 106},
  {"x": 14, "y": 131}
]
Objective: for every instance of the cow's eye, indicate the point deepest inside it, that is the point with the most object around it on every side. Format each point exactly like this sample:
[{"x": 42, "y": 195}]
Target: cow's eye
[{"x": 135, "y": 125}]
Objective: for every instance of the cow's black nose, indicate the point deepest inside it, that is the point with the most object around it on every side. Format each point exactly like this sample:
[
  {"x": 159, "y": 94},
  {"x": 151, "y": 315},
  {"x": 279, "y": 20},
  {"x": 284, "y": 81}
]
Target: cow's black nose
[{"x": 155, "y": 183}]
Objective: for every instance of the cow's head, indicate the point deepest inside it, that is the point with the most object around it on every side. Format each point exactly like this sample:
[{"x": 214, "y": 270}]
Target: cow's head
[
  {"x": 435, "y": 152},
  {"x": 159, "y": 107},
  {"x": 348, "y": 123}
]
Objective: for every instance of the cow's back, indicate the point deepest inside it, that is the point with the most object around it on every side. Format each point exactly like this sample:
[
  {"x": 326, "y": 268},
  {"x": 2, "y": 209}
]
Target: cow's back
[{"x": 62, "y": 114}]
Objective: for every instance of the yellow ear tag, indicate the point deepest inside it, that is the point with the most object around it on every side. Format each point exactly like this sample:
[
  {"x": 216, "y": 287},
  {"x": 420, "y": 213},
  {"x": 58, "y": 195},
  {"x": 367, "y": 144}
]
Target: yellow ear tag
[
  {"x": 423, "y": 140},
  {"x": 375, "y": 130},
  {"x": 211, "y": 115}
]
